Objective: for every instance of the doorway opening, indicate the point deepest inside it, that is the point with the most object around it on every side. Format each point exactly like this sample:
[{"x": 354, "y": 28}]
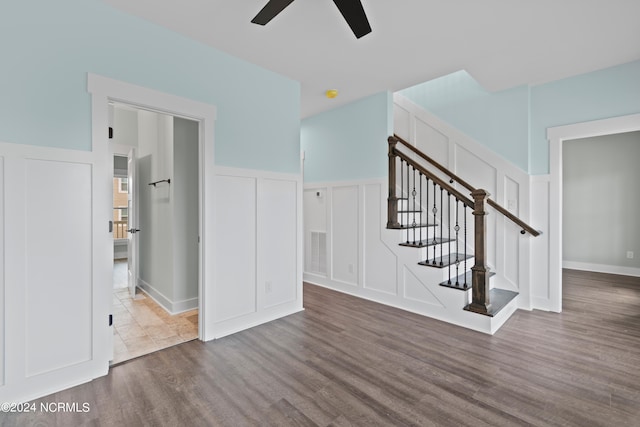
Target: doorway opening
[
  {"x": 156, "y": 208},
  {"x": 557, "y": 136},
  {"x": 601, "y": 169}
]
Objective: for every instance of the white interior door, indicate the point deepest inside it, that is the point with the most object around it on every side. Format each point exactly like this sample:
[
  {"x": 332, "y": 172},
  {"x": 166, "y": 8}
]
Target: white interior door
[{"x": 132, "y": 247}]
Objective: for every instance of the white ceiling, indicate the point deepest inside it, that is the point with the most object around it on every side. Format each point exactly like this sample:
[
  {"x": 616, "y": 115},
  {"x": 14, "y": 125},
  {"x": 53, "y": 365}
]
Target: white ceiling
[{"x": 501, "y": 43}]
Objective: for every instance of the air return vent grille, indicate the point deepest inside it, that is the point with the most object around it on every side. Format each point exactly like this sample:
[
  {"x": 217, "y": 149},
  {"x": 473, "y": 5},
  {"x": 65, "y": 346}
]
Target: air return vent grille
[{"x": 318, "y": 261}]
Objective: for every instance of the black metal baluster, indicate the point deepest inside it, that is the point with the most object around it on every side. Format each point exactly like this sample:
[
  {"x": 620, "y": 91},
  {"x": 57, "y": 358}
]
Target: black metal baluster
[
  {"x": 457, "y": 229},
  {"x": 466, "y": 285},
  {"x": 401, "y": 183},
  {"x": 420, "y": 217},
  {"x": 426, "y": 218},
  {"x": 413, "y": 193},
  {"x": 435, "y": 218},
  {"x": 441, "y": 223},
  {"x": 407, "y": 203},
  {"x": 449, "y": 230}
]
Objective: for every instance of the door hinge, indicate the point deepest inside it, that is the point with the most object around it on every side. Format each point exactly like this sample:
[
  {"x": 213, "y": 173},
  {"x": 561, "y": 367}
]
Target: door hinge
[
  {"x": 110, "y": 132},
  {"x": 111, "y": 320},
  {"x": 110, "y": 226}
]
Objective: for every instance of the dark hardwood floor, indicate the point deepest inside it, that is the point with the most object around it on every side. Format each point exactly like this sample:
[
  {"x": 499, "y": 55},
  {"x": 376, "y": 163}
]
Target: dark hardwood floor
[{"x": 346, "y": 361}]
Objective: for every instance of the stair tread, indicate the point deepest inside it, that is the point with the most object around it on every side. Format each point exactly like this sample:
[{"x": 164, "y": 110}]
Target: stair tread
[
  {"x": 427, "y": 242},
  {"x": 409, "y": 226},
  {"x": 461, "y": 280},
  {"x": 447, "y": 260},
  {"x": 499, "y": 299}
]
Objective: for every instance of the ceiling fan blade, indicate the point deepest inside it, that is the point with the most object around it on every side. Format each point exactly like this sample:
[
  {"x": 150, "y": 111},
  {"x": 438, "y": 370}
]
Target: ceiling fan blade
[
  {"x": 354, "y": 14},
  {"x": 270, "y": 10}
]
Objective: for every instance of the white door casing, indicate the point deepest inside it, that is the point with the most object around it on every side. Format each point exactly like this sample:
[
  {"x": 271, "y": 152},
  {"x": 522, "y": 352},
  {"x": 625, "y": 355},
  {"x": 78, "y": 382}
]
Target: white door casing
[
  {"x": 105, "y": 90},
  {"x": 556, "y": 136}
]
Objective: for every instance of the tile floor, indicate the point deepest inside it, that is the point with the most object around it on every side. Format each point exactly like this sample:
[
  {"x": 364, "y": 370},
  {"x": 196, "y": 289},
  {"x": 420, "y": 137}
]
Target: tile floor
[{"x": 141, "y": 326}]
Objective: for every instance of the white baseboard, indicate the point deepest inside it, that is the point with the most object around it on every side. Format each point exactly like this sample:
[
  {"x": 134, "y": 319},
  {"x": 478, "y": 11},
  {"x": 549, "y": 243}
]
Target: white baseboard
[
  {"x": 172, "y": 307},
  {"x": 601, "y": 268}
]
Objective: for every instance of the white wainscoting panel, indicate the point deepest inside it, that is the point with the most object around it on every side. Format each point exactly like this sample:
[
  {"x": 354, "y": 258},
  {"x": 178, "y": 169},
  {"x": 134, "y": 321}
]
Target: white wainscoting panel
[
  {"x": 507, "y": 233},
  {"x": 55, "y": 316},
  {"x": 390, "y": 273},
  {"x": 402, "y": 122},
  {"x": 235, "y": 275},
  {"x": 277, "y": 241},
  {"x": 380, "y": 263},
  {"x": 345, "y": 232},
  {"x": 259, "y": 247},
  {"x": 475, "y": 170},
  {"x": 416, "y": 290},
  {"x": 541, "y": 295},
  {"x": 58, "y": 250},
  {"x": 429, "y": 140},
  {"x": 2, "y": 275}
]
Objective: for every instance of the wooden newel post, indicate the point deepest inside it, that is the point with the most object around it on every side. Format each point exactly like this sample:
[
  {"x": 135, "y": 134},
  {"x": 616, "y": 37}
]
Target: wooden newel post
[
  {"x": 392, "y": 200},
  {"x": 480, "y": 272}
]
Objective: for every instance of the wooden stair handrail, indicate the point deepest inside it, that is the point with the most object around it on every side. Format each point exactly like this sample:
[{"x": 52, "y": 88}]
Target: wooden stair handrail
[{"x": 525, "y": 227}]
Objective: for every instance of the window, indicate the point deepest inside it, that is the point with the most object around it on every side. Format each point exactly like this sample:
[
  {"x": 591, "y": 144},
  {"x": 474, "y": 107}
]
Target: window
[
  {"x": 124, "y": 214},
  {"x": 123, "y": 185}
]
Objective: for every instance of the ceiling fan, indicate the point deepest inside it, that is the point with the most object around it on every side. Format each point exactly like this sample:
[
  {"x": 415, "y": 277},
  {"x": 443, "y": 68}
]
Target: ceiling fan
[{"x": 351, "y": 10}]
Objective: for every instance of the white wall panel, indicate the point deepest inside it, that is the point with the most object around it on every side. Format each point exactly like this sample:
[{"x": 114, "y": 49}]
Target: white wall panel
[
  {"x": 510, "y": 248},
  {"x": 482, "y": 175},
  {"x": 258, "y": 271},
  {"x": 59, "y": 265},
  {"x": 541, "y": 292},
  {"x": 432, "y": 142},
  {"x": 475, "y": 170},
  {"x": 416, "y": 290},
  {"x": 512, "y": 195},
  {"x": 2, "y": 275},
  {"x": 345, "y": 234},
  {"x": 235, "y": 275},
  {"x": 380, "y": 263},
  {"x": 402, "y": 123},
  {"x": 277, "y": 241}
]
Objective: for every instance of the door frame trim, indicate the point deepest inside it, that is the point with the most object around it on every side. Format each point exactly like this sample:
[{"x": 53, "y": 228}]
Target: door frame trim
[
  {"x": 556, "y": 136},
  {"x": 104, "y": 90}
]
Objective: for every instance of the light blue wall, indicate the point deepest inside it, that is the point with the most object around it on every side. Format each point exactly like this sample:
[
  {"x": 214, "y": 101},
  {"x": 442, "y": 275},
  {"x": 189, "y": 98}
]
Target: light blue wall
[
  {"x": 49, "y": 46},
  {"x": 348, "y": 142},
  {"x": 497, "y": 120},
  {"x": 598, "y": 95},
  {"x": 513, "y": 123}
]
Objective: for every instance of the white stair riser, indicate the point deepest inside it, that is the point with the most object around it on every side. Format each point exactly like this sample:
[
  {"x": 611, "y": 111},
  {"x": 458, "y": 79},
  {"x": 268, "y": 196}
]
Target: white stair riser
[
  {"x": 452, "y": 270},
  {"x": 427, "y": 251},
  {"x": 425, "y": 233},
  {"x": 409, "y": 217},
  {"x": 420, "y": 233},
  {"x": 405, "y": 205}
]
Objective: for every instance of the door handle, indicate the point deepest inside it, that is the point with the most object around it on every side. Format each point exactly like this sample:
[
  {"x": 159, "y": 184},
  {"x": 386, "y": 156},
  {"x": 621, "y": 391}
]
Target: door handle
[{"x": 133, "y": 230}]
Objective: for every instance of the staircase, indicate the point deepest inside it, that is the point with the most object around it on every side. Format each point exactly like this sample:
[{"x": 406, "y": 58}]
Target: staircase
[{"x": 443, "y": 217}]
